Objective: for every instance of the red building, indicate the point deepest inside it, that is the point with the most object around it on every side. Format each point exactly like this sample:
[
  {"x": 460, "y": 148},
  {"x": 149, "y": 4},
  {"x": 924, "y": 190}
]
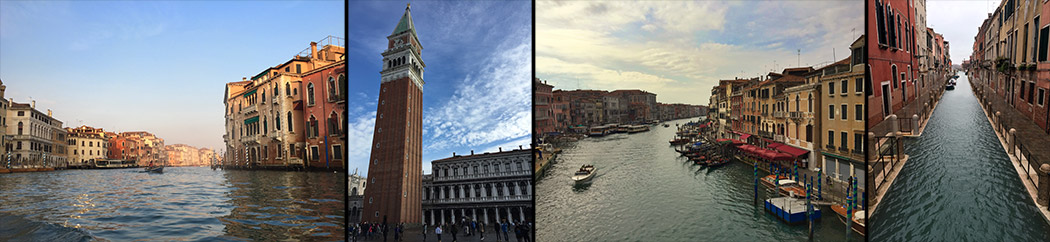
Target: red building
[
  {"x": 544, "y": 115},
  {"x": 323, "y": 112},
  {"x": 891, "y": 41},
  {"x": 395, "y": 169}
]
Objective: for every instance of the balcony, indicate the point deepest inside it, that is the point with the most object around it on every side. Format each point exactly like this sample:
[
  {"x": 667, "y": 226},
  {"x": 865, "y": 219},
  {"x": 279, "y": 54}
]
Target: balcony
[
  {"x": 829, "y": 147},
  {"x": 800, "y": 115},
  {"x": 779, "y": 138},
  {"x": 482, "y": 175},
  {"x": 779, "y": 114},
  {"x": 766, "y": 134},
  {"x": 249, "y": 109},
  {"x": 515, "y": 198}
]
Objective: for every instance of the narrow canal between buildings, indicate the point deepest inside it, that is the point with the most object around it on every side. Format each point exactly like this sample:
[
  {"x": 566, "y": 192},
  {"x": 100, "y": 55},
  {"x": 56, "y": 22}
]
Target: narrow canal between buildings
[
  {"x": 959, "y": 184},
  {"x": 643, "y": 191},
  {"x": 183, "y": 203}
]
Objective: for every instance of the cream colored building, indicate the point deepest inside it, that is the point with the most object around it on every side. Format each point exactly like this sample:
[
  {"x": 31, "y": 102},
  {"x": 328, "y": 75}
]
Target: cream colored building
[
  {"x": 33, "y": 134},
  {"x": 842, "y": 117},
  {"x": 85, "y": 145}
]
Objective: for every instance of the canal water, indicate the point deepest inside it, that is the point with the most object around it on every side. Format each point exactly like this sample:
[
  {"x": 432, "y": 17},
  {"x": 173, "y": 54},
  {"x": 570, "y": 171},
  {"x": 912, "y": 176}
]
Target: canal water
[
  {"x": 183, "y": 203},
  {"x": 958, "y": 184},
  {"x": 643, "y": 191}
]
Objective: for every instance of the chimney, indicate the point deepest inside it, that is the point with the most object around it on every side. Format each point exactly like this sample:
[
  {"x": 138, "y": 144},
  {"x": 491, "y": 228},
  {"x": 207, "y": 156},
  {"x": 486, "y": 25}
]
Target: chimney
[
  {"x": 471, "y": 152},
  {"x": 453, "y": 154},
  {"x": 49, "y": 112},
  {"x": 519, "y": 147},
  {"x": 500, "y": 149},
  {"x": 244, "y": 78},
  {"x": 34, "y": 104},
  {"x": 313, "y": 49}
]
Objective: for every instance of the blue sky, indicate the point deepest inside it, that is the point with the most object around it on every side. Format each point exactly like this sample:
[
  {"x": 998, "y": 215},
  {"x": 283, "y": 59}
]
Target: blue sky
[
  {"x": 156, "y": 66},
  {"x": 477, "y": 94},
  {"x": 680, "y": 49},
  {"x": 958, "y": 21}
]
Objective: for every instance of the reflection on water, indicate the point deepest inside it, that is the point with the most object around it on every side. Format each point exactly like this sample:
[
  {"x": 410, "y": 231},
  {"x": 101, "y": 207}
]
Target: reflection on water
[
  {"x": 192, "y": 203},
  {"x": 959, "y": 184}
]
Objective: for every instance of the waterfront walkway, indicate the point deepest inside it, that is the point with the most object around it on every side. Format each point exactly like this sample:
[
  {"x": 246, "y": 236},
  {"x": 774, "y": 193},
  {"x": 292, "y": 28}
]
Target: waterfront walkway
[{"x": 415, "y": 234}]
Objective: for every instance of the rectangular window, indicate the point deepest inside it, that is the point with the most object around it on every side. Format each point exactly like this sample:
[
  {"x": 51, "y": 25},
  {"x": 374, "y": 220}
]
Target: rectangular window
[
  {"x": 314, "y": 153},
  {"x": 21, "y": 113},
  {"x": 843, "y": 141},
  {"x": 858, "y": 112},
  {"x": 831, "y": 88},
  {"x": 844, "y": 111},
  {"x": 1023, "y": 84},
  {"x": 337, "y": 153},
  {"x": 298, "y": 68},
  {"x": 858, "y": 143},
  {"x": 831, "y": 112},
  {"x": 880, "y": 19},
  {"x": 1042, "y": 97},
  {"x": 845, "y": 86},
  {"x": 291, "y": 150},
  {"x": 1044, "y": 37},
  {"x": 831, "y": 138},
  {"x": 858, "y": 85}
]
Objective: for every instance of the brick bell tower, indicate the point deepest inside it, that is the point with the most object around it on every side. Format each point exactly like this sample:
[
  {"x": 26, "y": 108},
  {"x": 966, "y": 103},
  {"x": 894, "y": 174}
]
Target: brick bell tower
[{"x": 395, "y": 171}]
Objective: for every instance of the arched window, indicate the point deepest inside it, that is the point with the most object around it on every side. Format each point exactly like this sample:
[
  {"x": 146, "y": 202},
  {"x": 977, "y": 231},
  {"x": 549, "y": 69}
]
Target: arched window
[
  {"x": 264, "y": 127},
  {"x": 797, "y": 109},
  {"x": 313, "y": 127},
  {"x": 19, "y": 130},
  {"x": 276, "y": 90},
  {"x": 263, "y": 94},
  {"x": 894, "y": 71},
  {"x": 810, "y": 102},
  {"x": 333, "y": 124},
  {"x": 290, "y": 121},
  {"x": 342, "y": 84},
  {"x": 331, "y": 89},
  {"x": 277, "y": 121},
  {"x": 310, "y": 94},
  {"x": 287, "y": 89}
]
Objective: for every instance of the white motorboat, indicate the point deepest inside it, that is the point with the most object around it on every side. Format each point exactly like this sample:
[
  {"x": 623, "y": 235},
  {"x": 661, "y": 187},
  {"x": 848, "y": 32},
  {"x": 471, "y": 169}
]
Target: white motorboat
[{"x": 585, "y": 174}]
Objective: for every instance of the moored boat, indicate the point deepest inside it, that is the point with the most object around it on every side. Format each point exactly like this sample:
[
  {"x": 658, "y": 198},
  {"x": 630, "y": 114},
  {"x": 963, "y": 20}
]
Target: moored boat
[
  {"x": 858, "y": 221},
  {"x": 585, "y": 174},
  {"x": 155, "y": 169},
  {"x": 792, "y": 188},
  {"x": 679, "y": 141},
  {"x": 790, "y": 210}
]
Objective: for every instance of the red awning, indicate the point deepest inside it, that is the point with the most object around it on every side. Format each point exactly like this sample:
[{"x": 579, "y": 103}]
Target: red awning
[
  {"x": 781, "y": 156},
  {"x": 794, "y": 152},
  {"x": 744, "y": 136},
  {"x": 773, "y": 145}
]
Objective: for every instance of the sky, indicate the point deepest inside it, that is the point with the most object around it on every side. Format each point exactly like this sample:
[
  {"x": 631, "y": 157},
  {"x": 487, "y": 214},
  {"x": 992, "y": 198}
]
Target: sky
[
  {"x": 958, "y": 21},
  {"x": 679, "y": 50},
  {"x": 155, "y": 66},
  {"x": 477, "y": 94}
]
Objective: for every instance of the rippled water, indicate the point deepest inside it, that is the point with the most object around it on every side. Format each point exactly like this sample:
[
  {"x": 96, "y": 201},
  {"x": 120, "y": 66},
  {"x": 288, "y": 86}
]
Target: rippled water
[
  {"x": 643, "y": 191},
  {"x": 184, "y": 203},
  {"x": 959, "y": 184}
]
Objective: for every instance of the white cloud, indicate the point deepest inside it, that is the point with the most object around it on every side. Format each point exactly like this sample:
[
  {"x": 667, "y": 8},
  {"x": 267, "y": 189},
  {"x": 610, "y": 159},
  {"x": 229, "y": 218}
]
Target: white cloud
[
  {"x": 491, "y": 104},
  {"x": 679, "y": 50},
  {"x": 360, "y": 131}
]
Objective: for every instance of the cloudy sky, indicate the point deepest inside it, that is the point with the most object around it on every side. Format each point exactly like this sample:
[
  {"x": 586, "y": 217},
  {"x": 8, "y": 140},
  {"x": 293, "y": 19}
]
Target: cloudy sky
[
  {"x": 156, "y": 66},
  {"x": 958, "y": 22},
  {"x": 477, "y": 94},
  {"x": 679, "y": 49}
]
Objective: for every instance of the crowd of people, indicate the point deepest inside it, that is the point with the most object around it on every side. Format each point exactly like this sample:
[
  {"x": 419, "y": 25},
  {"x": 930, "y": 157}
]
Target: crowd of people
[{"x": 462, "y": 229}]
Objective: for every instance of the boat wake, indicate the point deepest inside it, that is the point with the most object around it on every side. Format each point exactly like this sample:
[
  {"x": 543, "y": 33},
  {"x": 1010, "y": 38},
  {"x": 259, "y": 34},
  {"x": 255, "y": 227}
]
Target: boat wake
[{"x": 17, "y": 228}]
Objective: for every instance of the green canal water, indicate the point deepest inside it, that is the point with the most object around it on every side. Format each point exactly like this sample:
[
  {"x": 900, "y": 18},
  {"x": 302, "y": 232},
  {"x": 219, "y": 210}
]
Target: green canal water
[
  {"x": 643, "y": 191},
  {"x": 959, "y": 184},
  {"x": 183, "y": 203}
]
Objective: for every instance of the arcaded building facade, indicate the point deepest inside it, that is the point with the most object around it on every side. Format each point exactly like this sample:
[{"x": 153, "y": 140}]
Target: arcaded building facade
[{"x": 485, "y": 187}]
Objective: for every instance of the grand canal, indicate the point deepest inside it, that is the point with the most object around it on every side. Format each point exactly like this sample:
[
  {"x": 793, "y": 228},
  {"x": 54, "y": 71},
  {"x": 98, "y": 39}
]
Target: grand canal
[
  {"x": 191, "y": 203},
  {"x": 643, "y": 191},
  {"x": 958, "y": 184}
]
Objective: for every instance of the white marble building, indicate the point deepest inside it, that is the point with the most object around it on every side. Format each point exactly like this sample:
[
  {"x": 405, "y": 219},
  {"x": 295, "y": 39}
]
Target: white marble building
[{"x": 485, "y": 187}]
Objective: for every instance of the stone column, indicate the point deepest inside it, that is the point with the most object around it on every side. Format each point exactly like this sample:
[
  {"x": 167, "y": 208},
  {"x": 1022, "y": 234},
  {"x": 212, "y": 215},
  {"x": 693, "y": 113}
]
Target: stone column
[
  {"x": 441, "y": 192},
  {"x": 894, "y": 125},
  {"x": 472, "y": 193},
  {"x": 486, "y": 212},
  {"x": 1011, "y": 141},
  {"x": 872, "y": 146},
  {"x": 442, "y": 216},
  {"x": 506, "y": 190},
  {"x": 521, "y": 211},
  {"x": 510, "y": 216},
  {"x": 1044, "y": 185},
  {"x": 494, "y": 187},
  {"x": 462, "y": 192},
  {"x": 915, "y": 124},
  {"x": 497, "y": 214},
  {"x": 431, "y": 216},
  {"x": 528, "y": 186}
]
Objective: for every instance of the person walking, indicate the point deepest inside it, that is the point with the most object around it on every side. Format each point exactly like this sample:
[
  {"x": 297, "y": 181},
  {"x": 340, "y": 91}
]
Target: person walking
[
  {"x": 481, "y": 230},
  {"x": 526, "y": 234},
  {"x": 454, "y": 231},
  {"x": 437, "y": 231},
  {"x": 425, "y": 231},
  {"x": 504, "y": 228},
  {"x": 495, "y": 228},
  {"x": 385, "y": 229}
]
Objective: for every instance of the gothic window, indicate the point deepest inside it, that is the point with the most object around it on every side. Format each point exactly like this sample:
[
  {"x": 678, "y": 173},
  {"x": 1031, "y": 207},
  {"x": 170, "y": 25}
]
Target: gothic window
[
  {"x": 289, "y": 121},
  {"x": 331, "y": 89},
  {"x": 310, "y": 94},
  {"x": 277, "y": 122},
  {"x": 287, "y": 89}
]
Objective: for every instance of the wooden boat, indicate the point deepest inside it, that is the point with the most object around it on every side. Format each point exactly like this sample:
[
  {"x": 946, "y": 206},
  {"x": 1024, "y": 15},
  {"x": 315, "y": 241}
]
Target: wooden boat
[
  {"x": 859, "y": 219},
  {"x": 717, "y": 162},
  {"x": 679, "y": 141},
  {"x": 585, "y": 174},
  {"x": 791, "y": 188},
  {"x": 667, "y": 125},
  {"x": 155, "y": 169},
  {"x": 768, "y": 181}
]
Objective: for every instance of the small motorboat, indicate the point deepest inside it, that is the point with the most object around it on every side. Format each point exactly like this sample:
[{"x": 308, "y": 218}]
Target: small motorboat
[
  {"x": 667, "y": 125},
  {"x": 585, "y": 174},
  {"x": 949, "y": 87},
  {"x": 679, "y": 141},
  {"x": 792, "y": 188},
  {"x": 859, "y": 219},
  {"x": 155, "y": 169}
]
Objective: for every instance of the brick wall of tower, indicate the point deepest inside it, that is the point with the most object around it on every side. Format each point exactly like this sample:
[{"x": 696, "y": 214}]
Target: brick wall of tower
[{"x": 396, "y": 163}]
